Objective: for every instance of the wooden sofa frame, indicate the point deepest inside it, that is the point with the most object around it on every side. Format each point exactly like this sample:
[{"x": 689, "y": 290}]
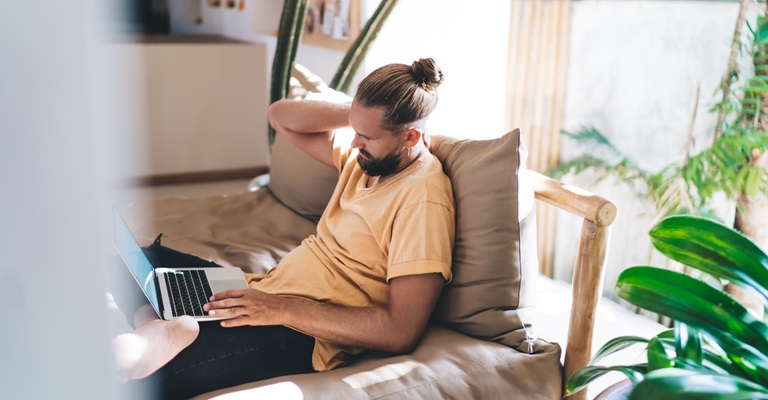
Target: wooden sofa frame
[{"x": 598, "y": 214}]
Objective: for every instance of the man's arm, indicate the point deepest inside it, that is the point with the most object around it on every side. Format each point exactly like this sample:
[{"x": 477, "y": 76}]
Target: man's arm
[
  {"x": 394, "y": 328},
  {"x": 310, "y": 125}
]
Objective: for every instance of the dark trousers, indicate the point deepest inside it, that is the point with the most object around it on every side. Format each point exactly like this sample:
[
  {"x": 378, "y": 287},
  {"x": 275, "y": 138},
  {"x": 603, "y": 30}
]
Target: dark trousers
[{"x": 219, "y": 357}]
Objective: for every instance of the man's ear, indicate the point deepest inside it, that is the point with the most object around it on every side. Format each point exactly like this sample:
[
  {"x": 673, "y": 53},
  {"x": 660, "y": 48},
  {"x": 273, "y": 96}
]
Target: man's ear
[{"x": 413, "y": 136}]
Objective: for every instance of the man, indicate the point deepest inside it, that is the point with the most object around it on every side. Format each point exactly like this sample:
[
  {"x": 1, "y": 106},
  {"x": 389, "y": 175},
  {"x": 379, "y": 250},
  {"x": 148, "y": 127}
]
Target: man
[{"x": 369, "y": 278}]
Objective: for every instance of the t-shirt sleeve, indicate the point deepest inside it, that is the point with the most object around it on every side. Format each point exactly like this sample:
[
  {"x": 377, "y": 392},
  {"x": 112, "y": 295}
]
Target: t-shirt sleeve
[
  {"x": 342, "y": 147},
  {"x": 422, "y": 240}
]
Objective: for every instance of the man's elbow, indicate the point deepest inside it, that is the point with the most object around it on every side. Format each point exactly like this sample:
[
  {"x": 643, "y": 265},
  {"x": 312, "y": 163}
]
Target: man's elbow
[{"x": 404, "y": 344}]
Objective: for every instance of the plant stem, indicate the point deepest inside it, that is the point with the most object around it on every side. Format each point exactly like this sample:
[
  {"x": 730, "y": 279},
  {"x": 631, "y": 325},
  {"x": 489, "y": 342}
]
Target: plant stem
[
  {"x": 289, "y": 34},
  {"x": 689, "y": 145},
  {"x": 733, "y": 69},
  {"x": 357, "y": 51}
]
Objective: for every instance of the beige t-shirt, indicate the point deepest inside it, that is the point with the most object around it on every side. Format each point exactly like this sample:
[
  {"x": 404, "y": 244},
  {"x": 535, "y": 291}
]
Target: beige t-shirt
[{"x": 365, "y": 237}]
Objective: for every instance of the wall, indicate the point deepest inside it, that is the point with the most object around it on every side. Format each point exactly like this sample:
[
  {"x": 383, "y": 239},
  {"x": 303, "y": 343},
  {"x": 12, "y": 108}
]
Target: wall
[
  {"x": 633, "y": 72},
  {"x": 206, "y": 105},
  {"x": 469, "y": 43}
]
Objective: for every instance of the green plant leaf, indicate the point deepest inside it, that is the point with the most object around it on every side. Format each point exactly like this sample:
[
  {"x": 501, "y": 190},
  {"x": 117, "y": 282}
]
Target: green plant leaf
[
  {"x": 675, "y": 383},
  {"x": 697, "y": 304},
  {"x": 586, "y": 375},
  {"x": 687, "y": 343},
  {"x": 657, "y": 355},
  {"x": 715, "y": 249},
  {"x": 614, "y": 345}
]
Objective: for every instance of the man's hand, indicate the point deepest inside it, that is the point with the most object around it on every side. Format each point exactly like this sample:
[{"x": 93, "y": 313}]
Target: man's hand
[
  {"x": 245, "y": 307},
  {"x": 395, "y": 327}
]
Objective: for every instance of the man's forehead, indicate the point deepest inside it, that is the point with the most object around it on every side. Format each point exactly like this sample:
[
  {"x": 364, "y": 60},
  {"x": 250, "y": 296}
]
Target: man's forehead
[{"x": 366, "y": 120}]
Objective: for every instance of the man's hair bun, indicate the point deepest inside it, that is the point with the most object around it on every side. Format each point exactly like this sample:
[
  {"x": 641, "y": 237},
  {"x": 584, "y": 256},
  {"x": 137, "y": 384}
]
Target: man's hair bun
[{"x": 427, "y": 73}]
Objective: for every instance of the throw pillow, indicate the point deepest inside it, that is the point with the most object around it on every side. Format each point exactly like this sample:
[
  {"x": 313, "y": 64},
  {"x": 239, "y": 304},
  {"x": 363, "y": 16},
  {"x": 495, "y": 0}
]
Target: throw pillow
[
  {"x": 297, "y": 180},
  {"x": 495, "y": 262}
]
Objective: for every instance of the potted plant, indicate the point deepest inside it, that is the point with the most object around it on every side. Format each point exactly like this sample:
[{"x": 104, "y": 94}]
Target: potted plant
[{"x": 717, "y": 349}]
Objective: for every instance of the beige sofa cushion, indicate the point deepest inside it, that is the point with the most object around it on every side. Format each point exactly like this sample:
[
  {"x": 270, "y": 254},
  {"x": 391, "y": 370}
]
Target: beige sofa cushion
[
  {"x": 445, "y": 365},
  {"x": 491, "y": 296},
  {"x": 249, "y": 230},
  {"x": 302, "y": 183}
]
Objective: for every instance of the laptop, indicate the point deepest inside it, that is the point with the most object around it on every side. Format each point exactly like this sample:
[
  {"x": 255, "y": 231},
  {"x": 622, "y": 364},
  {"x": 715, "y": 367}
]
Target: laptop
[{"x": 173, "y": 292}]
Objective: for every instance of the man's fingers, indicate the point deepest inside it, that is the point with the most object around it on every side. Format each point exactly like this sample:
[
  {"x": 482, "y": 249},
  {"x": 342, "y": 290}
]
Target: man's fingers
[
  {"x": 222, "y": 304},
  {"x": 234, "y": 322},
  {"x": 228, "y": 294},
  {"x": 226, "y": 312}
]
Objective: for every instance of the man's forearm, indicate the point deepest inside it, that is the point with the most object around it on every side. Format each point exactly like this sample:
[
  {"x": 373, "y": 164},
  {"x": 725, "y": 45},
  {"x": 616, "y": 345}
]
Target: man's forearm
[
  {"x": 363, "y": 327},
  {"x": 308, "y": 116}
]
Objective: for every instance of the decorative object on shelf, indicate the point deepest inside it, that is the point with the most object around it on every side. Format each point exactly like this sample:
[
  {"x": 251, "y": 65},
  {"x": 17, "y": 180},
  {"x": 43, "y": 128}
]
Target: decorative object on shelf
[
  {"x": 718, "y": 348},
  {"x": 332, "y": 23}
]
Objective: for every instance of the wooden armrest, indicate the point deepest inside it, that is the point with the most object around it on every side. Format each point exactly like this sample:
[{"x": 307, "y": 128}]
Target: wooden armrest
[
  {"x": 598, "y": 214},
  {"x": 573, "y": 199}
]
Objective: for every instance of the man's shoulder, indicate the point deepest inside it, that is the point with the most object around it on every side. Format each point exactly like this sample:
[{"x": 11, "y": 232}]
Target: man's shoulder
[{"x": 430, "y": 184}]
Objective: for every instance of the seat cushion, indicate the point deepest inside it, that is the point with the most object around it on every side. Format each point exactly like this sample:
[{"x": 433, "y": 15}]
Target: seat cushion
[
  {"x": 445, "y": 365},
  {"x": 249, "y": 230}
]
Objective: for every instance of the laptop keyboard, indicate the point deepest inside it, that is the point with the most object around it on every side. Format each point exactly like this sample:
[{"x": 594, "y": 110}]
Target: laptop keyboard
[{"x": 189, "y": 290}]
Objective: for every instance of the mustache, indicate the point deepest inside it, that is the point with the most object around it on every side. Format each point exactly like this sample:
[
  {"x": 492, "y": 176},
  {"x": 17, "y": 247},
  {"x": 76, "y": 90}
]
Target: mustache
[{"x": 365, "y": 153}]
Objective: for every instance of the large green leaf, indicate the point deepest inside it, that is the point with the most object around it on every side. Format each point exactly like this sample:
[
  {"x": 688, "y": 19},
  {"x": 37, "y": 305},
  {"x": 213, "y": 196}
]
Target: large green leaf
[
  {"x": 586, "y": 375},
  {"x": 715, "y": 249},
  {"x": 697, "y": 304},
  {"x": 675, "y": 383}
]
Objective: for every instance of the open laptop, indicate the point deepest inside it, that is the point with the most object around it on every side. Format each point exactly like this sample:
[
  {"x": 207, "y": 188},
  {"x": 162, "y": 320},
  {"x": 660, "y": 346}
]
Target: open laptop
[{"x": 173, "y": 292}]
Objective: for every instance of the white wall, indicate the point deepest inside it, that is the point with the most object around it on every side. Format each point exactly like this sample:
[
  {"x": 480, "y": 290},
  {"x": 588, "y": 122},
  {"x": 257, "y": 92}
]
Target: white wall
[
  {"x": 469, "y": 43},
  {"x": 206, "y": 105},
  {"x": 633, "y": 71}
]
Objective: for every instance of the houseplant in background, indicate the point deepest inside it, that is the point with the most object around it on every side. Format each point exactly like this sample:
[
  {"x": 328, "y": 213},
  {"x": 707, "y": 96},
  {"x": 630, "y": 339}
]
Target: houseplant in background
[
  {"x": 717, "y": 349},
  {"x": 292, "y": 21},
  {"x": 735, "y": 162}
]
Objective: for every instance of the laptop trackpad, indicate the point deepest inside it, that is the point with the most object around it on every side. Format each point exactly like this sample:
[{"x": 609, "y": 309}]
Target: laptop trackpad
[{"x": 227, "y": 284}]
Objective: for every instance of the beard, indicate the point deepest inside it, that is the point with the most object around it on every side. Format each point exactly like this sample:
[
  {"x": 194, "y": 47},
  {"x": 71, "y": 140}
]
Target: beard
[{"x": 382, "y": 166}]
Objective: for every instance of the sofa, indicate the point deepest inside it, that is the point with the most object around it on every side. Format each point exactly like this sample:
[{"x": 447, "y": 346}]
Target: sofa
[{"x": 481, "y": 342}]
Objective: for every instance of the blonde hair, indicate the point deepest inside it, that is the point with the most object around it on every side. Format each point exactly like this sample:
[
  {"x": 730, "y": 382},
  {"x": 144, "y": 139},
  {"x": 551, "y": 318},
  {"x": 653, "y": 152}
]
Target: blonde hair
[{"x": 407, "y": 93}]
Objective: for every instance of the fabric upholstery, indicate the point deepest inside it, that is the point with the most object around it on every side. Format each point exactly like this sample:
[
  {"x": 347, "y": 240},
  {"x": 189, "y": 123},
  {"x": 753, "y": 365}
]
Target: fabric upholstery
[
  {"x": 495, "y": 251},
  {"x": 302, "y": 183},
  {"x": 249, "y": 230},
  {"x": 445, "y": 365}
]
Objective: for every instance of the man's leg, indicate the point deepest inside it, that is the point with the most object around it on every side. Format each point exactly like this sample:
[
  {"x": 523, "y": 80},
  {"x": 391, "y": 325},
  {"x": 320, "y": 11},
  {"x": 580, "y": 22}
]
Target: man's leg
[
  {"x": 153, "y": 344},
  {"x": 225, "y": 357}
]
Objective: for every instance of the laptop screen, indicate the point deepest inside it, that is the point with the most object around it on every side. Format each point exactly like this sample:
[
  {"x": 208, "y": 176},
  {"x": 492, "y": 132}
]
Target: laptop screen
[{"x": 134, "y": 258}]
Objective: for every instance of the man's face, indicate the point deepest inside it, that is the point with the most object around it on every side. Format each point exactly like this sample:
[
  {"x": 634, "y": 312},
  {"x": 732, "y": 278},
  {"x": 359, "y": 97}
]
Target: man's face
[{"x": 380, "y": 151}]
